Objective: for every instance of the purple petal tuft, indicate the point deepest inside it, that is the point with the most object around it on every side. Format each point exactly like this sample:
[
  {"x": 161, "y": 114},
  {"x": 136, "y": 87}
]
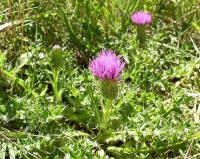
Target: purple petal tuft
[
  {"x": 106, "y": 66},
  {"x": 141, "y": 18}
]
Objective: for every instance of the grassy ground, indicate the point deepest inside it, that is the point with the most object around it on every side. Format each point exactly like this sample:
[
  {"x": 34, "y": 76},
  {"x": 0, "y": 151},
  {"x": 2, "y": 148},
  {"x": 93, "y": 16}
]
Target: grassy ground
[{"x": 50, "y": 113}]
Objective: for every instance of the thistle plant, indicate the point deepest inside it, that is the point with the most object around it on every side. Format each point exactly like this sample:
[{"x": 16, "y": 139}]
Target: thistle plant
[
  {"x": 107, "y": 67},
  {"x": 141, "y": 19},
  {"x": 57, "y": 62}
]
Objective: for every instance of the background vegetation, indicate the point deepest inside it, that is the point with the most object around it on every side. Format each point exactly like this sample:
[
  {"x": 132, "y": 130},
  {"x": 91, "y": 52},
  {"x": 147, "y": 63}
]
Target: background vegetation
[{"x": 49, "y": 114}]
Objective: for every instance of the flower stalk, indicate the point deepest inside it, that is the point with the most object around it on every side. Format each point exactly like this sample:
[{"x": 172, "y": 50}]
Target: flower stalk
[
  {"x": 55, "y": 85},
  {"x": 106, "y": 113},
  {"x": 141, "y": 35}
]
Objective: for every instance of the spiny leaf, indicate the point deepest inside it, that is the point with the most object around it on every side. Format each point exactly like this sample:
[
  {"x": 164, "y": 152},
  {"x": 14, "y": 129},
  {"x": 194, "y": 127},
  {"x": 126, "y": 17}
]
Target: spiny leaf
[
  {"x": 12, "y": 151},
  {"x": 12, "y": 23},
  {"x": 196, "y": 26},
  {"x": 2, "y": 59},
  {"x": 3, "y": 150},
  {"x": 22, "y": 61}
]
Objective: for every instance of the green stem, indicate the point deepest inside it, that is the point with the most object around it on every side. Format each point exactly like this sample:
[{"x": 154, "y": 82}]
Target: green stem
[
  {"x": 55, "y": 84},
  {"x": 141, "y": 34},
  {"x": 106, "y": 113},
  {"x": 96, "y": 110}
]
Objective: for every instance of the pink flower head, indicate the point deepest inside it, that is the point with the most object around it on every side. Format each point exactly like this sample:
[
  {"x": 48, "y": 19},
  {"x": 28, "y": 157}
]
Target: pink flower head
[
  {"x": 107, "y": 65},
  {"x": 141, "y": 18}
]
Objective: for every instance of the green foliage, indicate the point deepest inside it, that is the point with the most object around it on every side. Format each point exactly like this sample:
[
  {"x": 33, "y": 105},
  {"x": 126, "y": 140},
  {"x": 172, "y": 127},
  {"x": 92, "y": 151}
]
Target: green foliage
[{"x": 55, "y": 110}]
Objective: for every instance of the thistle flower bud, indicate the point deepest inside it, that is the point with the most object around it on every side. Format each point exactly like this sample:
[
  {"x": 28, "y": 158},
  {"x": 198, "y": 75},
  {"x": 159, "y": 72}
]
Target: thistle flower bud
[
  {"x": 56, "y": 57},
  {"x": 109, "y": 89}
]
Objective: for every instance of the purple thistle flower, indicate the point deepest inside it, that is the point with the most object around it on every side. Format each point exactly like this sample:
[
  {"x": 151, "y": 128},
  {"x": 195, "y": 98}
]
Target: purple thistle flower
[
  {"x": 141, "y": 18},
  {"x": 107, "y": 65}
]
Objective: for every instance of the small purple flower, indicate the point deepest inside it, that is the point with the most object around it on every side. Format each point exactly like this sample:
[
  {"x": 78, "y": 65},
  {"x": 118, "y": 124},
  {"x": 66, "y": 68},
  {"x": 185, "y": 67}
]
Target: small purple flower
[
  {"x": 141, "y": 18},
  {"x": 107, "y": 65}
]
